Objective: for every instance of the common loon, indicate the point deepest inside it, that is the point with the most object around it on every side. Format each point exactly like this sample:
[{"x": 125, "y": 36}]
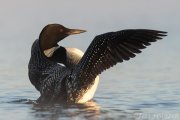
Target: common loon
[{"x": 64, "y": 74}]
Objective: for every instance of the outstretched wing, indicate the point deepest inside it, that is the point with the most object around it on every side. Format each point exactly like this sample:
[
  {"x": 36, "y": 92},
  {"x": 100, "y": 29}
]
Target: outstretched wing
[{"x": 108, "y": 49}]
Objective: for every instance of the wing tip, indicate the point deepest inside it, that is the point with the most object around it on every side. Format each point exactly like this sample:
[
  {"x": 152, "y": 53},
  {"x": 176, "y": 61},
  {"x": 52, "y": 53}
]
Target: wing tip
[{"x": 162, "y": 33}]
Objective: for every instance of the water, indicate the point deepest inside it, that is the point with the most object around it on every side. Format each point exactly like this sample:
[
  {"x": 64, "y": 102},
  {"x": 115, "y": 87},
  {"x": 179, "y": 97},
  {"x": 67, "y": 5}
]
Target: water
[
  {"x": 115, "y": 99},
  {"x": 122, "y": 94},
  {"x": 144, "y": 88}
]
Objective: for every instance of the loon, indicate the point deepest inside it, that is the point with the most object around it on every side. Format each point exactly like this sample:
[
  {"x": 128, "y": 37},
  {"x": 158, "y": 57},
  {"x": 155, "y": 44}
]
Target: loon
[{"x": 68, "y": 75}]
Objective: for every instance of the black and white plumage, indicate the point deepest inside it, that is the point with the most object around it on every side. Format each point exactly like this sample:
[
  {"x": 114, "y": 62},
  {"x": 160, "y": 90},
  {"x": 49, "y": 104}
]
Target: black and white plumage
[{"x": 76, "y": 80}]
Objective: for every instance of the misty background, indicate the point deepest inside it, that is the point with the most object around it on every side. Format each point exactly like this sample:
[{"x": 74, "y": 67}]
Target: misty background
[{"x": 21, "y": 21}]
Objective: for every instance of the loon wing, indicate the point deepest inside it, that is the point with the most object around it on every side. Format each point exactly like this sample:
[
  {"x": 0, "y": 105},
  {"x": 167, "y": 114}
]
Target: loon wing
[{"x": 108, "y": 49}]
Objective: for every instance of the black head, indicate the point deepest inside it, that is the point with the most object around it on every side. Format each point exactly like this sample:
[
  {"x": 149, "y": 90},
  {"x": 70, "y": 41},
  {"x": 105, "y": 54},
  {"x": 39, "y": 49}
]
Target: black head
[{"x": 53, "y": 33}]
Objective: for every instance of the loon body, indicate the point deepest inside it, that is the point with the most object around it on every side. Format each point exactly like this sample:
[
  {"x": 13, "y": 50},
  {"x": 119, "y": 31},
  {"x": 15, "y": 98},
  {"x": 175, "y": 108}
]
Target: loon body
[{"x": 68, "y": 75}]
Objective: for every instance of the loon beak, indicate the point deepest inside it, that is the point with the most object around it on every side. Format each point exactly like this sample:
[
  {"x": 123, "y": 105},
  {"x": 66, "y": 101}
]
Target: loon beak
[{"x": 75, "y": 31}]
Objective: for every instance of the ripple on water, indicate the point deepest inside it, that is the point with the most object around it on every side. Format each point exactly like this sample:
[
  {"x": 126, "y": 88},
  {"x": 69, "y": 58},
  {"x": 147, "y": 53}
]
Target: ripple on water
[
  {"x": 123, "y": 104},
  {"x": 23, "y": 101}
]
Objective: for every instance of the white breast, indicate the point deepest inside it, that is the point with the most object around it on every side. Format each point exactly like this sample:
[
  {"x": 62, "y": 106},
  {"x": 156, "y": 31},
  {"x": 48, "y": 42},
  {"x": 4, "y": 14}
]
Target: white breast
[
  {"x": 90, "y": 93},
  {"x": 75, "y": 51}
]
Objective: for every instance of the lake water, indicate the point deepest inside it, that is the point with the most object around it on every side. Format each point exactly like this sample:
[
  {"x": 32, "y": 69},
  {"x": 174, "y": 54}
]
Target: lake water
[
  {"x": 116, "y": 98},
  {"x": 144, "y": 88}
]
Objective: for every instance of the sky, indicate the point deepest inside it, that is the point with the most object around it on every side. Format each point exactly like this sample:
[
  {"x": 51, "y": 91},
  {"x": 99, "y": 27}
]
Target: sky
[{"x": 21, "y": 22}]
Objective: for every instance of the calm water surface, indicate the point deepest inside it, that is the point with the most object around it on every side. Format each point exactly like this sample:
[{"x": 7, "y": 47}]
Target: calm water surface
[{"x": 136, "y": 99}]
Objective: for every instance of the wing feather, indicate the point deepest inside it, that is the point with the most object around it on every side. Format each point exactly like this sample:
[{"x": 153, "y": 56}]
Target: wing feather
[{"x": 108, "y": 49}]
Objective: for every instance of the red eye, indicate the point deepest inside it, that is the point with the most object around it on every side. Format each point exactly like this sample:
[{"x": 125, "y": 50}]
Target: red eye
[{"x": 61, "y": 30}]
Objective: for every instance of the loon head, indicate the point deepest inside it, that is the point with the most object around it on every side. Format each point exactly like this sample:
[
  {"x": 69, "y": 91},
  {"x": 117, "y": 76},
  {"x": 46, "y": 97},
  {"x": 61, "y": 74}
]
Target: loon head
[{"x": 53, "y": 33}]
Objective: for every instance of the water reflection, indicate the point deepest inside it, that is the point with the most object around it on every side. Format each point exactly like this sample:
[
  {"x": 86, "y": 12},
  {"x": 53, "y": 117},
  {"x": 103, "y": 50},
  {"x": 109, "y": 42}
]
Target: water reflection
[
  {"x": 90, "y": 110},
  {"x": 127, "y": 103}
]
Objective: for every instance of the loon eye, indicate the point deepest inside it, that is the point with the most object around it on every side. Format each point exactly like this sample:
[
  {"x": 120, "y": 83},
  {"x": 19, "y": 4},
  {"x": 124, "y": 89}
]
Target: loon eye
[{"x": 61, "y": 30}]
